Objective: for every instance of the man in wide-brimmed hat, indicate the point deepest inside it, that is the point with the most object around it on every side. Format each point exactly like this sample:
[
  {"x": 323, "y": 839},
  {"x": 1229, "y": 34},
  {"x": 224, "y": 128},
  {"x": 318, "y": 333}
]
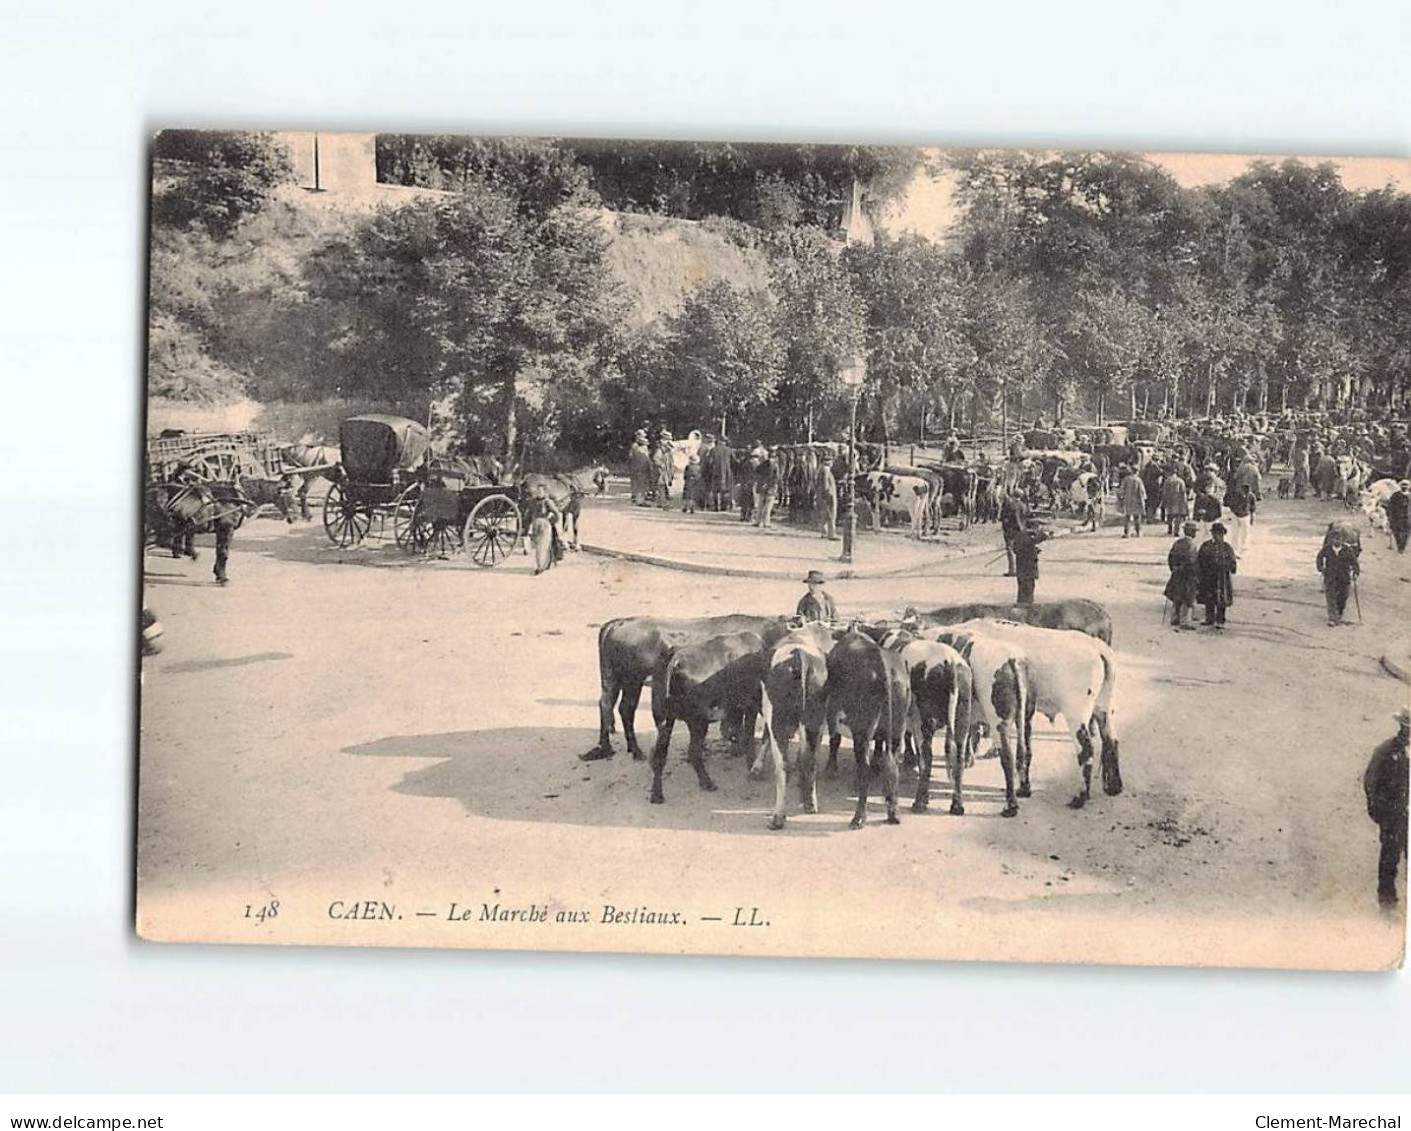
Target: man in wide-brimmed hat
[
  {"x": 1215, "y": 570},
  {"x": 1385, "y": 783},
  {"x": 816, "y": 605}
]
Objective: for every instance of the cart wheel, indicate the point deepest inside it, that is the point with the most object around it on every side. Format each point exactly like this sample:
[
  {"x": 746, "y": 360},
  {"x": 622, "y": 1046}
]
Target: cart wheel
[
  {"x": 491, "y": 530},
  {"x": 404, "y": 520},
  {"x": 438, "y": 538},
  {"x": 345, "y": 523}
]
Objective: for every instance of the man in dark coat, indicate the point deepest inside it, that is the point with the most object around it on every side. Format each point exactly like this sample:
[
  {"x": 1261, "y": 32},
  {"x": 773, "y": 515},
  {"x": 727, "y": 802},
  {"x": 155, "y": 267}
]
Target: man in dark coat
[
  {"x": 1184, "y": 583},
  {"x": 1398, "y": 508},
  {"x": 1175, "y": 502},
  {"x": 1026, "y": 561},
  {"x": 1013, "y": 517},
  {"x": 816, "y": 605},
  {"x": 1385, "y": 784},
  {"x": 1338, "y": 563},
  {"x": 1215, "y": 568}
]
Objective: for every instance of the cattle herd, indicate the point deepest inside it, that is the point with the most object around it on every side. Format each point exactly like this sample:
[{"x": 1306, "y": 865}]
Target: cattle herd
[
  {"x": 1060, "y": 469},
  {"x": 958, "y": 672}
]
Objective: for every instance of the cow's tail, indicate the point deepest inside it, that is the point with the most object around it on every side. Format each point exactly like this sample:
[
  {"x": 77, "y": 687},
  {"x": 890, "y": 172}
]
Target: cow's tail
[
  {"x": 952, "y": 705},
  {"x": 1107, "y": 694},
  {"x": 669, "y": 674},
  {"x": 803, "y": 680}
]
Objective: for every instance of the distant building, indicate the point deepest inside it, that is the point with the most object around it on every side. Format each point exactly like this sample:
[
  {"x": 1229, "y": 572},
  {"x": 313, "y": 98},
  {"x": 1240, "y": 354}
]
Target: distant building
[{"x": 333, "y": 162}]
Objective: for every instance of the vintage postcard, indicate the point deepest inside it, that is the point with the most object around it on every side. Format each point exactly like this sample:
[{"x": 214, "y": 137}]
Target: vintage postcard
[{"x": 767, "y": 549}]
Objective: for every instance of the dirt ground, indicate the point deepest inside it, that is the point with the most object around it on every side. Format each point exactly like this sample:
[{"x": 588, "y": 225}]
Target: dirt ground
[{"x": 351, "y": 732}]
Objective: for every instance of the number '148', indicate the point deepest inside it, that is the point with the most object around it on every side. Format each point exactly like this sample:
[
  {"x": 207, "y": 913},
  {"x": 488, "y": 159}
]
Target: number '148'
[{"x": 268, "y": 910}]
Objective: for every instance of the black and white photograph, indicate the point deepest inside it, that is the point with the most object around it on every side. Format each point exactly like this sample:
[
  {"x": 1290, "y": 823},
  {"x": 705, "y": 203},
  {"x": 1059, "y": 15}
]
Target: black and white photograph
[{"x": 857, "y": 551}]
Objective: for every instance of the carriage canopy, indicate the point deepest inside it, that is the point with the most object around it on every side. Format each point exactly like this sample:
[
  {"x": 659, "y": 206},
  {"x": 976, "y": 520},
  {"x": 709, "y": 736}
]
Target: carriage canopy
[{"x": 374, "y": 446}]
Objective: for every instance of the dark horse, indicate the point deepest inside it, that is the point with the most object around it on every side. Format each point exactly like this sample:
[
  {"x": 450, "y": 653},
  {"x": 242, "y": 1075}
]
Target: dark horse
[{"x": 176, "y": 512}]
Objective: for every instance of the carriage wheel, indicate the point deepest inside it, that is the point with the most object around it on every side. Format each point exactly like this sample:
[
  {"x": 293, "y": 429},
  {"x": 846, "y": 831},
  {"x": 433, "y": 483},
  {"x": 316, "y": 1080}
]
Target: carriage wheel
[
  {"x": 345, "y": 523},
  {"x": 491, "y": 530},
  {"x": 438, "y": 538},
  {"x": 404, "y": 520}
]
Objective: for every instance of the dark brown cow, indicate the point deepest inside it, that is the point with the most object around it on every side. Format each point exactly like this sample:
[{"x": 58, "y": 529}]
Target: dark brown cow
[
  {"x": 718, "y": 678},
  {"x": 870, "y": 690},
  {"x": 1078, "y": 614},
  {"x": 629, "y": 650}
]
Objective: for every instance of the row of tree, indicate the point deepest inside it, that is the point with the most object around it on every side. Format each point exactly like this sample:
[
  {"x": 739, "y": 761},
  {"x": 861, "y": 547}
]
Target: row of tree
[{"x": 1070, "y": 282}]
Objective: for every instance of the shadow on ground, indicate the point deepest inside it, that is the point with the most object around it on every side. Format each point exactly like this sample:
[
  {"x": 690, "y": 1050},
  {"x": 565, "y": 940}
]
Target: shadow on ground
[{"x": 528, "y": 774}]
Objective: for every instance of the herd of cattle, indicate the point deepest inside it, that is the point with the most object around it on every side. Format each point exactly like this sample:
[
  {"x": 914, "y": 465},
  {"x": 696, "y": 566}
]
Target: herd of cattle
[{"x": 953, "y": 671}]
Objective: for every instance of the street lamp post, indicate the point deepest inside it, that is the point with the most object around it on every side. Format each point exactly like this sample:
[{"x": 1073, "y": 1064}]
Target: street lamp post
[{"x": 852, "y": 376}]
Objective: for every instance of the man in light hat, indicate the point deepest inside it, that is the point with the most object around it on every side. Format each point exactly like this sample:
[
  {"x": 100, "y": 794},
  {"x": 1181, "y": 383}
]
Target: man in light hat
[
  {"x": 1131, "y": 497},
  {"x": 639, "y": 467},
  {"x": 816, "y": 605},
  {"x": 1385, "y": 784}
]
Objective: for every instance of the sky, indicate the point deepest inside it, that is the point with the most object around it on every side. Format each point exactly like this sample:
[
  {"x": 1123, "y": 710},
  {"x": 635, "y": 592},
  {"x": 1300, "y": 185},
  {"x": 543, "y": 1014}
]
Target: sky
[{"x": 928, "y": 208}]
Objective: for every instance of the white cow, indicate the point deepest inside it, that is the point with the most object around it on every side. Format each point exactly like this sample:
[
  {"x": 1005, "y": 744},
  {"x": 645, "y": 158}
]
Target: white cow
[
  {"x": 1073, "y": 675},
  {"x": 1001, "y": 699},
  {"x": 1374, "y": 499},
  {"x": 683, "y": 450},
  {"x": 900, "y": 497}
]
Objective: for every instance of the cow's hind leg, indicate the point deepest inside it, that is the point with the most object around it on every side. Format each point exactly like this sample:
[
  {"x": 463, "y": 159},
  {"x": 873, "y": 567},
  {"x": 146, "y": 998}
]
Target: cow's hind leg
[
  {"x": 627, "y": 712},
  {"x": 659, "y": 752},
  {"x": 1085, "y": 763},
  {"x": 808, "y": 769},
  {"x": 1004, "y": 734},
  {"x": 923, "y": 770},
  {"x": 1024, "y": 756},
  {"x": 862, "y": 770},
  {"x": 890, "y": 779},
  {"x": 957, "y": 758},
  {"x": 835, "y": 740},
  {"x": 1111, "y": 770},
  {"x": 606, "y": 701},
  {"x": 776, "y": 748},
  {"x": 695, "y": 753}
]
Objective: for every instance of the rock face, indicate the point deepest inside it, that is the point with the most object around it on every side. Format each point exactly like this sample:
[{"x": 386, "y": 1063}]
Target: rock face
[{"x": 658, "y": 259}]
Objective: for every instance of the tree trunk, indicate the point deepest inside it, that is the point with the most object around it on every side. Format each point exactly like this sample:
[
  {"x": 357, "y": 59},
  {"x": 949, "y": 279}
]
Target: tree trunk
[
  {"x": 510, "y": 393},
  {"x": 1004, "y": 416},
  {"x": 1101, "y": 406},
  {"x": 1133, "y": 391},
  {"x": 810, "y": 422}
]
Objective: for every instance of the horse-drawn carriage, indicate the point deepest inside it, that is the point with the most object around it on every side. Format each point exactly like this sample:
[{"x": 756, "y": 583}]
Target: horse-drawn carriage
[{"x": 388, "y": 472}]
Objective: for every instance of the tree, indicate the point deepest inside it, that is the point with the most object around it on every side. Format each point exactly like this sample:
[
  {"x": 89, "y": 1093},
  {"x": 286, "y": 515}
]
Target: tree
[
  {"x": 214, "y": 179},
  {"x": 821, "y": 323},
  {"x": 763, "y": 183},
  {"x": 918, "y": 354},
  {"x": 467, "y": 299},
  {"x": 723, "y": 356}
]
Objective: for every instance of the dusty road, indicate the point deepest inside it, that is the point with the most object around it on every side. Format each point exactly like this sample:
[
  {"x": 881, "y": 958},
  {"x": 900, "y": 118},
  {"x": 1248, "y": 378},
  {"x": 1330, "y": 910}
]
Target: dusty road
[{"x": 348, "y": 731}]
